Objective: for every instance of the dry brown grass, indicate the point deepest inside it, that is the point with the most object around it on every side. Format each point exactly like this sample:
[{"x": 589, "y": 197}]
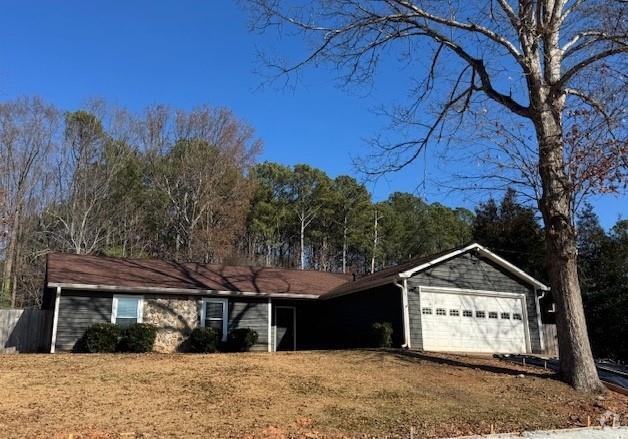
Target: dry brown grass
[{"x": 305, "y": 394}]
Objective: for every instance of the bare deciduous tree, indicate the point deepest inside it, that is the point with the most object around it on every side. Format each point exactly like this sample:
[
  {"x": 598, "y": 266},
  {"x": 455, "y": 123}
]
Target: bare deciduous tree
[
  {"x": 531, "y": 59},
  {"x": 27, "y": 128},
  {"x": 203, "y": 157},
  {"x": 87, "y": 167}
]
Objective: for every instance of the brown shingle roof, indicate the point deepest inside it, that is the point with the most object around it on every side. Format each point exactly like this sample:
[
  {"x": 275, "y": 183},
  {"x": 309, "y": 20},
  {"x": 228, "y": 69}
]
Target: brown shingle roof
[
  {"x": 159, "y": 274},
  {"x": 155, "y": 274}
]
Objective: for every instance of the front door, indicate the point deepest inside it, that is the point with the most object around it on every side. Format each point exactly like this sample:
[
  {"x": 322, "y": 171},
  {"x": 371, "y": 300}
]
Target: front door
[{"x": 285, "y": 328}]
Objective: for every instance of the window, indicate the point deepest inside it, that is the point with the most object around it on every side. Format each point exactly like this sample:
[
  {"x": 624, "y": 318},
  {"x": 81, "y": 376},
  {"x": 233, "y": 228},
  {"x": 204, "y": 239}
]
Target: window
[
  {"x": 467, "y": 313},
  {"x": 427, "y": 311},
  {"x": 480, "y": 314},
  {"x": 441, "y": 312},
  {"x": 505, "y": 315},
  {"x": 454, "y": 313},
  {"x": 516, "y": 316},
  {"x": 126, "y": 310},
  {"x": 214, "y": 315},
  {"x": 492, "y": 315}
]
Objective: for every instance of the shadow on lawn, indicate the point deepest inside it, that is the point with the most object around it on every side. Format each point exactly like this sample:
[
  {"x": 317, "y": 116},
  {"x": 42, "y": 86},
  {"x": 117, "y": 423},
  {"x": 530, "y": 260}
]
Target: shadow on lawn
[{"x": 418, "y": 357}]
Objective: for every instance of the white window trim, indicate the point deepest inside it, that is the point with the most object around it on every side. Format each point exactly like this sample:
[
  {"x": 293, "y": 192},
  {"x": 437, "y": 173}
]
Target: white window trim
[
  {"x": 140, "y": 307},
  {"x": 225, "y": 313}
]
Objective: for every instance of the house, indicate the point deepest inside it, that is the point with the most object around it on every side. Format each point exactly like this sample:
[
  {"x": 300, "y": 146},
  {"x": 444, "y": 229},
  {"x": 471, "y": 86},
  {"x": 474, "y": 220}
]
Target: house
[{"x": 466, "y": 299}]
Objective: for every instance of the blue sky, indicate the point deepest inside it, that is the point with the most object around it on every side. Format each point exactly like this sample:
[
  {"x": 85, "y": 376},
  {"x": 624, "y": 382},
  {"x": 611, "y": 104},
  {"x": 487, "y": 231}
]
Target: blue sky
[{"x": 185, "y": 54}]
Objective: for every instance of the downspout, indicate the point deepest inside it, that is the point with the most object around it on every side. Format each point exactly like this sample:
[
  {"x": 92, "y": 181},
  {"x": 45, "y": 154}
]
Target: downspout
[
  {"x": 405, "y": 313},
  {"x": 537, "y": 302}
]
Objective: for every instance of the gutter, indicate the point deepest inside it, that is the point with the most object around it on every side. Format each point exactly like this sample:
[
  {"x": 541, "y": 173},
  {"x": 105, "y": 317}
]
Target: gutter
[{"x": 177, "y": 291}]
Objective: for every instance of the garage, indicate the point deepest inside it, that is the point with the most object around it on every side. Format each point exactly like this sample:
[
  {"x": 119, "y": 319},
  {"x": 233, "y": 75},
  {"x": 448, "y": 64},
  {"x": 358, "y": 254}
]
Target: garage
[{"x": 473, "y": 321}]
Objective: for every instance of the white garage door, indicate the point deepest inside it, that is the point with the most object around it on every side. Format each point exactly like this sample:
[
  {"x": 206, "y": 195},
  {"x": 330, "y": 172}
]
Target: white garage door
[{"x": 467, "y": 322}]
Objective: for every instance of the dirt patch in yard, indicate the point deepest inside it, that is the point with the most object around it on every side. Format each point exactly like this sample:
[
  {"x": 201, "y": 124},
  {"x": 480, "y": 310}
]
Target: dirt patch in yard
[{"x": 305, "y": 394}]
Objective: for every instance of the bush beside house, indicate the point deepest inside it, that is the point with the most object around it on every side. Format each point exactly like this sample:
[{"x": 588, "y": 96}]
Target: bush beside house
[
  {"x": 242, "y": 339},
  {"x": 204, "y": 340},
  {"x": 382, "y": 334},
  {"x": 140, "y": 337},
  {"x": 99, "y": 338},
  {"x": 108, "y": 338}
]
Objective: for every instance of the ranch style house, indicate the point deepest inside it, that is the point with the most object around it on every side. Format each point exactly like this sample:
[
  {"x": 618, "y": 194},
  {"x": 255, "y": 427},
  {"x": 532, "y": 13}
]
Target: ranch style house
[{"x": 466, "y": 299}]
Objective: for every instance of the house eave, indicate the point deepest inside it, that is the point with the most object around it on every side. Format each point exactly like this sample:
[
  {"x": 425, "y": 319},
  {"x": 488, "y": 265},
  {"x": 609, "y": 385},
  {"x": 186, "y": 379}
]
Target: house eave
[
  {"x": 179, "y": 291},
  {"x": 366, "y": 286}
]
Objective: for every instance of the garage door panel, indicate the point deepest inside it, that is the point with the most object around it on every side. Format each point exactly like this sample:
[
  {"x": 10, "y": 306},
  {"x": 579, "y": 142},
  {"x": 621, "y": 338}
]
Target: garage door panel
[{"x": 478, "y": 333}]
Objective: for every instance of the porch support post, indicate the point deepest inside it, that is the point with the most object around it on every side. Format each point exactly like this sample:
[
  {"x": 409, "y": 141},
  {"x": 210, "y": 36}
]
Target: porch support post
[
  {"x": 270, "y": 324},
  {"x": 55, "y": 319}
]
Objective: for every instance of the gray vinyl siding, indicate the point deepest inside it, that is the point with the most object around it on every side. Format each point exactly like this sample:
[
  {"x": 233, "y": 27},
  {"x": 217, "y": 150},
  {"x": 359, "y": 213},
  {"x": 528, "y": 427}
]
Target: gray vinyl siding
[
  {"x": 76, "y": 313},
  {"x": 414, "y": 315},
  {"x": 250, "y": 313},
  {"x": 469, "y": 271}
]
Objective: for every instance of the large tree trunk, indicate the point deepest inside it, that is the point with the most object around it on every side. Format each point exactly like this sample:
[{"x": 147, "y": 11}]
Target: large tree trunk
[{"x": 577, "y": 366}]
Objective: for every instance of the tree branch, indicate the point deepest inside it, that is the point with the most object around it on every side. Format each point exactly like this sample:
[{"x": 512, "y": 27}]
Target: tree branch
[{"x": 577, "y": 68}]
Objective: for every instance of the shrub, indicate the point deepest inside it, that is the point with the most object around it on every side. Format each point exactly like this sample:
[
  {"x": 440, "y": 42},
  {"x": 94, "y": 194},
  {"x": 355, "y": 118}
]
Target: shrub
[
  {"x": 138, "y": 337},
  {"x": 382, "y": 334},
  {"x": 203, "y": 340},
  {"x": 100, "y": 337},
  {"x": 241, "y": 340}
]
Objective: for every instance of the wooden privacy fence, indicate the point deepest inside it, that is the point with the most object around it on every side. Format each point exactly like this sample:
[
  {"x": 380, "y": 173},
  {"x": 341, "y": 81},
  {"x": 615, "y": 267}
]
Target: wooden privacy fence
[
  {"x": 551, "y": 340},
  {"x": 25, "y": 330}
]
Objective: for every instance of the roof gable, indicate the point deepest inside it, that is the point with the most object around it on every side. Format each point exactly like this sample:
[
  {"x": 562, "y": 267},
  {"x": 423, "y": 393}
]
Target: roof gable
[{"x": 416, "y": 265}]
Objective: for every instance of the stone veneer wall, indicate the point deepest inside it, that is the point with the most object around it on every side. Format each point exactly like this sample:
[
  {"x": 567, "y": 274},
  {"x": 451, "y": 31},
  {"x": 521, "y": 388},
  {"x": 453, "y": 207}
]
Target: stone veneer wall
[{"x": 174, "y": 317}]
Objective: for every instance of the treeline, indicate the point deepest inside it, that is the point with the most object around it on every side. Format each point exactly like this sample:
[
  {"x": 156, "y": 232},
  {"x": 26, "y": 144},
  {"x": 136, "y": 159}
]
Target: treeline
[
  {"x": 300, "y": 217},
  {"x": 186, "y": 186}
]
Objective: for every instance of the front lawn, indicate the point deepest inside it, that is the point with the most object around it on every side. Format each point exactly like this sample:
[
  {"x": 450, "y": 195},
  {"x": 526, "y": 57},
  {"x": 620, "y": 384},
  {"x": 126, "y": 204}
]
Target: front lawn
[{"x": 318, "y": 394}]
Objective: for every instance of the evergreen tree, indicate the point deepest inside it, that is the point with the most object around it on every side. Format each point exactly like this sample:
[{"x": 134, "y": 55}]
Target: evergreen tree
[
  {"x": 603, "y": 270},
  {"x": 512, "y": 231}
]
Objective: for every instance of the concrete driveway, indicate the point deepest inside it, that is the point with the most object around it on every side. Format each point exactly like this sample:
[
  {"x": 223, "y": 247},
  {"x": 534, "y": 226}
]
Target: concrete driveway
[{"x": 574, "y": 433}]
